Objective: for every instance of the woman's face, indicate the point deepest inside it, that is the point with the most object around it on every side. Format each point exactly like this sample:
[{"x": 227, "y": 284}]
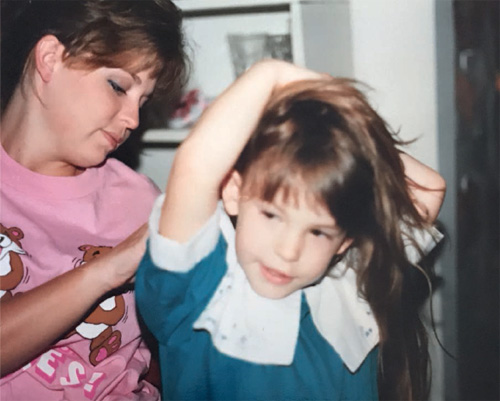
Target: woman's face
[{"x": 88, "y": 114}]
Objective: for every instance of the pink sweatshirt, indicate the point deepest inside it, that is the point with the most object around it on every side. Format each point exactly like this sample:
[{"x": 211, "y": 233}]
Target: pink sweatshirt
[{"x": 50, "y": 225}]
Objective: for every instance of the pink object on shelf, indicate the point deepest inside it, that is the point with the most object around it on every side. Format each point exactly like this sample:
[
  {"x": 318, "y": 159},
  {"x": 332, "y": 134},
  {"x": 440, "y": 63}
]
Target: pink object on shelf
[{"x": 189, "y": 109}]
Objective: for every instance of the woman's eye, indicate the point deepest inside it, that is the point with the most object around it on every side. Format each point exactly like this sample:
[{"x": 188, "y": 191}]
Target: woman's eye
[
  {"x": 144, "y": 102},
  {"x": 117, "y": 88}
]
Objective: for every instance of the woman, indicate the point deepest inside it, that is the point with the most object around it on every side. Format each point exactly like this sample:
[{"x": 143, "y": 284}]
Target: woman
[{"x": 74, "y": 76}]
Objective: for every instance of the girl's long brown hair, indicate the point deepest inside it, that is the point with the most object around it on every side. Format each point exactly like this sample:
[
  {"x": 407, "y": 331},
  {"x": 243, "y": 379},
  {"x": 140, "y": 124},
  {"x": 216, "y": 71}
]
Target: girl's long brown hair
[{"x": 327, "y": 135}]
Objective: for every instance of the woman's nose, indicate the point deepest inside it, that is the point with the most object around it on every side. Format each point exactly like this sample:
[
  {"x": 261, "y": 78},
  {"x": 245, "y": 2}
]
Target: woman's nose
[{"x": 130, "y": 115}]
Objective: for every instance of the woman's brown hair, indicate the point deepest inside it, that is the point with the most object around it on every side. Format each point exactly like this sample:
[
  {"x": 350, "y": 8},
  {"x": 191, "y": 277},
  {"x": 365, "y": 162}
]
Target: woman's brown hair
[
  {"x": 327, "y": 136},
  {"x": 134, "y": 34}
]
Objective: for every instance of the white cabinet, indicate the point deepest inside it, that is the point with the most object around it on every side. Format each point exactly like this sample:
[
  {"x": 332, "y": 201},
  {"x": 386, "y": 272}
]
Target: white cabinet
[
  {"x": 320, "y": 39},
  {"x": 319, "y": 31}
]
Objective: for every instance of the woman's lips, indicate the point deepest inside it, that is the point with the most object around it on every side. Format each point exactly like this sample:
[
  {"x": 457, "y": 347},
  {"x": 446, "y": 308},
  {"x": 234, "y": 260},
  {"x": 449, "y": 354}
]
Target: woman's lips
[
  {"x": 113, "y": 141},
  {"x": 274, "y": 276}
]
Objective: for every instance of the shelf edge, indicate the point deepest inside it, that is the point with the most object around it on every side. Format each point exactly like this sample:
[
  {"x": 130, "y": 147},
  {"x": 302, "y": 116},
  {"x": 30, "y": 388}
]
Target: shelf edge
[{"x": 164, "y": 135}]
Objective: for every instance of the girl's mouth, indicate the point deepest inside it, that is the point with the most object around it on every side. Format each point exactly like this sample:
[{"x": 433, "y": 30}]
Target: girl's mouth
[{"x": 274, "y": 276}]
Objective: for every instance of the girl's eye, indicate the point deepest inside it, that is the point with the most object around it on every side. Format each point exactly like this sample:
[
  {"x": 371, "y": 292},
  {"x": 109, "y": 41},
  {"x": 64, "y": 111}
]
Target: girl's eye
[
  {"x": 267, "y": 214},
  {"x": 319, "y": 233},
  {"x": 117, "y": 88}
]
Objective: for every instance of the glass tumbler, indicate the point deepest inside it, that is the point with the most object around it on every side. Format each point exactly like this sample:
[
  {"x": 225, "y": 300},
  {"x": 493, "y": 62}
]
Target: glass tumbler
[{"x": 247, "y": 49}]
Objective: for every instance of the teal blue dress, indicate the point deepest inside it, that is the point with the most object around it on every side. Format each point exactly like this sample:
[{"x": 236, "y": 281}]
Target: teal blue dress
[{"x": 193, "y": 369}]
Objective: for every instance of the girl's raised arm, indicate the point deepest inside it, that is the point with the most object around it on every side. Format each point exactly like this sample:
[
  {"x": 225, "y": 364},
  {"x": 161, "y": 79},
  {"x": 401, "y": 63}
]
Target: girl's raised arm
[
  {"x": 206, "y": 156},
  {"x": 427, "y": 187}
]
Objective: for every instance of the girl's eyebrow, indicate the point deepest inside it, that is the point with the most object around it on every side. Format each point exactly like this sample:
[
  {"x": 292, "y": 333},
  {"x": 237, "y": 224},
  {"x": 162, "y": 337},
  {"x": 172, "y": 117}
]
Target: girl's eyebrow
[
  {"x": 333, "y": 229},
  {"x": 264, "y": 203},
  {"x": 333, "y": 226}
]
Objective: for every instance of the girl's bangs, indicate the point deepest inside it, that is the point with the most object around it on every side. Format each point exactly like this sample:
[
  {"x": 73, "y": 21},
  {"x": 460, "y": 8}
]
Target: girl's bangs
[{"x": 270, "y": 177}]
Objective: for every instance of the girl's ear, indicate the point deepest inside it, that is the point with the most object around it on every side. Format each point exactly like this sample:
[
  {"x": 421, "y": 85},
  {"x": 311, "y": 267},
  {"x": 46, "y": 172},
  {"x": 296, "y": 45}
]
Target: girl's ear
[
  {"x": 345, "y": 244},
  {"x": 231, "y": 192},
  {"x": 48, "y": 52}
]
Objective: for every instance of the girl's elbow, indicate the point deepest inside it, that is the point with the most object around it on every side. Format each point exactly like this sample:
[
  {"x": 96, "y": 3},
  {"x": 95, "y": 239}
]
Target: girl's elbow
[{"x": 438, "y": 195}]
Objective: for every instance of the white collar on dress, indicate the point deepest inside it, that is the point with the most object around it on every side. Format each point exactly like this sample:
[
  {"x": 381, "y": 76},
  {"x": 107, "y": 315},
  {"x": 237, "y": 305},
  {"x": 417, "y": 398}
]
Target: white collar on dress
[{"x": 246, "y": 326}]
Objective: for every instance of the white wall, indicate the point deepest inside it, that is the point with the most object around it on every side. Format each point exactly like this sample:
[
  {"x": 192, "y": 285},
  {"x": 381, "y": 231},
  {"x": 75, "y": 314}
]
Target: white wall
[{"x": 394, "y": 52}]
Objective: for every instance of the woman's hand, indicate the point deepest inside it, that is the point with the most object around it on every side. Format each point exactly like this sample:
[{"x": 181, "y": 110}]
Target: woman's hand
[
  {"x": 118, "y": 266},
  {"x": 29, "y": 325}
]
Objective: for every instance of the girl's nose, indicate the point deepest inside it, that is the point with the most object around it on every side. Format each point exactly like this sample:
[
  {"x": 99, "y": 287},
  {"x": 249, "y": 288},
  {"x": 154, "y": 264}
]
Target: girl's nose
[{"x": 288, "y": 246}]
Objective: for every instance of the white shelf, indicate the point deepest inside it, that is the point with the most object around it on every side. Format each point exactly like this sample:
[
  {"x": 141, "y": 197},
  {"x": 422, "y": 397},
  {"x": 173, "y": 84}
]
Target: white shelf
[
  {"x": 206, "y": 5},
  {"x": 164, "y": 135},
  {"x": 208, "y": 22}
]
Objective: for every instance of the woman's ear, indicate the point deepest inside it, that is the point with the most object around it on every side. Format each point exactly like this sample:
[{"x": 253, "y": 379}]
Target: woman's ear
[
  {"x": 48, "y": 52},
  {"x": 231, "y": 192}
]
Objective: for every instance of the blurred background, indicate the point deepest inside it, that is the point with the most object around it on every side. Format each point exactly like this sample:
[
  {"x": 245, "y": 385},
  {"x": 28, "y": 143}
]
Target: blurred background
[{"x": 433, "y": 66}]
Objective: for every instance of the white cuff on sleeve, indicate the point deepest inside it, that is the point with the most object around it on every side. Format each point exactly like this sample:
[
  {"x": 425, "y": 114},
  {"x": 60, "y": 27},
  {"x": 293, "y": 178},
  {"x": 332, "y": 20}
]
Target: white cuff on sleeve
[{"x": 171, "y": 255}]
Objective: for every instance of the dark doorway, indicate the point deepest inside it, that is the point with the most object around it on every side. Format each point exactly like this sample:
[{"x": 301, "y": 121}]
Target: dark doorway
[{"x": 477, "y": 88}]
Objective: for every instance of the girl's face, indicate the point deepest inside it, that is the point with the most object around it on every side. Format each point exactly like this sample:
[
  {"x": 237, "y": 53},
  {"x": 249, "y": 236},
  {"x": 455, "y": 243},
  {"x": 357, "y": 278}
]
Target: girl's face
[
  {"x": 88, "y": 114},
  {"x": 284, "y": 246}
]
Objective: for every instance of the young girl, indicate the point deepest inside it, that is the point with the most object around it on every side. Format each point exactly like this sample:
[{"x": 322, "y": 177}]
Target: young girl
[
  {"x": 306, "y": 298},
  {"x": 74, "y": 75}
]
